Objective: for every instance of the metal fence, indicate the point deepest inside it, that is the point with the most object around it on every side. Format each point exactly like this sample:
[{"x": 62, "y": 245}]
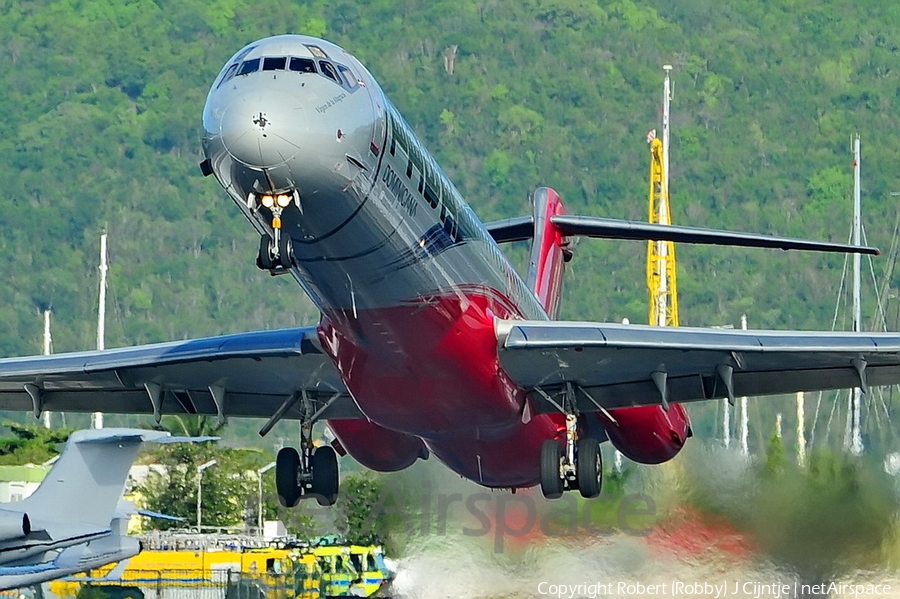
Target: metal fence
[{"x": 197, "y": 584}]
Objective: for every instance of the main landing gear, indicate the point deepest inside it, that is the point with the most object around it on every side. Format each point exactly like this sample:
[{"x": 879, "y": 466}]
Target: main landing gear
[
  {"x": 310, "y": 471},
  {"x": 315, "y": 473},
  {"x": 576, "y": 464}
]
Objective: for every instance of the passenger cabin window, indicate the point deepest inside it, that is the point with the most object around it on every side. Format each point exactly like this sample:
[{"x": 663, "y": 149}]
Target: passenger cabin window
[
  {"x": 303, "y": 65},
  {"x": 274, "y": 63},
  {"x": 249, "y": 66},
  {"x": 329, "y": 71}
]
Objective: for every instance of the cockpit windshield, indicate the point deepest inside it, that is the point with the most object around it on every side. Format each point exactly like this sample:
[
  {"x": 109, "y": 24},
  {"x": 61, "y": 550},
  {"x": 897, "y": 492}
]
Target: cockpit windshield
[
  {"x": 303, "y": 65},
  {"x": 249, "y": 66},
  {"x": 338, "y": 73},
  {"x": 274, "y": 63}
]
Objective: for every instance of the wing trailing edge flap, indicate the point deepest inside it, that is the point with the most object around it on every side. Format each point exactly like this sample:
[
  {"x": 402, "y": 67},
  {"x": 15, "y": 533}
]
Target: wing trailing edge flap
[
  {"x": 614, "y": 366},
  {"x": 521, "y": 228},
  {"x": 246, "y": 374}
]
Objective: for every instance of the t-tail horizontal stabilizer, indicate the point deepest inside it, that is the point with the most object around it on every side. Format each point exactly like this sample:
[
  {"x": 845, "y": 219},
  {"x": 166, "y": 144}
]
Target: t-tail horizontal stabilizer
[{"x": 520, "y": 228}]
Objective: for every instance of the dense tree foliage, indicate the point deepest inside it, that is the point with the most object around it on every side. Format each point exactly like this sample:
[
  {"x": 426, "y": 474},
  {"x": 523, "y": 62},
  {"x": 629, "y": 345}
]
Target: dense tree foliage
[
  {"x": 101, "y": 105},
  {"x": 31, "y": 444},
  {"x": 228, "y": 487}
]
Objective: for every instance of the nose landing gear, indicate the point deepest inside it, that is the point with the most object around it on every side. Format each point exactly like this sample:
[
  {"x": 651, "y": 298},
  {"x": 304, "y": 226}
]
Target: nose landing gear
[
  {"x": 276, "y": 252},
  {"x": 275, "y": 256}
]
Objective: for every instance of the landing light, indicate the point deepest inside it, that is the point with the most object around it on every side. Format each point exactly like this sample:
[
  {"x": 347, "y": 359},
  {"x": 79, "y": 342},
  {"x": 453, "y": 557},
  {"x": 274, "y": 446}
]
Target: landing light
[
  {"x": 283, "y": 200},
  {"x": 267, "y": 201}
]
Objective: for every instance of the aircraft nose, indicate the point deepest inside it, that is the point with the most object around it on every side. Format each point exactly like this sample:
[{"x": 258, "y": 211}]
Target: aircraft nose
[{"x": 256, "y": 127}]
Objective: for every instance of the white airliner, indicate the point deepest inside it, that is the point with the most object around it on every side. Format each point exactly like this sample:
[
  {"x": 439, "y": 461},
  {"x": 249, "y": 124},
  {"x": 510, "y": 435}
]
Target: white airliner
[
  {"x": 76, "y": 520},
  {"x": 429, "y": 342}
]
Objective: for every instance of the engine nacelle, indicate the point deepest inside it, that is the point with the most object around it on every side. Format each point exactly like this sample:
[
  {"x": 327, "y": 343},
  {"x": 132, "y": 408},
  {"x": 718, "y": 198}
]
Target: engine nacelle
[
  {"x": 13, "y": 525},
  {"x": 648, "y": 434},
  {"x": 376, "y": 447}
]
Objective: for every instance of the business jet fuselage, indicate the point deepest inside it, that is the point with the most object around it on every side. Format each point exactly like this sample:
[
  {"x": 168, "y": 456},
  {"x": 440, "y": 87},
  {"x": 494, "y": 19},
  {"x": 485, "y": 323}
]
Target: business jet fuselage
[{"x": 409, "y": 283}]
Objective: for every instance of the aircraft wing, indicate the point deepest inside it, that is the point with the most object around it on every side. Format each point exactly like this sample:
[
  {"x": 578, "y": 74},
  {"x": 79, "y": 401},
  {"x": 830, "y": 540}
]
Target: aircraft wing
[
  {"x": 247, "y": 374},
  {"x": 631, "y": 365}
]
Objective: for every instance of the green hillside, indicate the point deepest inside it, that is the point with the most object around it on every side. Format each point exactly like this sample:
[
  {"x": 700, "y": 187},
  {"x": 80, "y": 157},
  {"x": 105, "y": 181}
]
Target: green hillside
[{"x": 101, "y": 104}]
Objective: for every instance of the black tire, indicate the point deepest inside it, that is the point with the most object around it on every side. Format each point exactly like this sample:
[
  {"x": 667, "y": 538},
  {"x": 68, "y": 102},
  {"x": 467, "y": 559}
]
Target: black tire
[
  {"x": 287, "y": 463},
  {"x": 264, "y": 257},
  {"x": 325, "y": 475},
  {"x": 588, "y": 467},
  {"x": 551, "y": 483},
  {"x": 285, "y": 251}
]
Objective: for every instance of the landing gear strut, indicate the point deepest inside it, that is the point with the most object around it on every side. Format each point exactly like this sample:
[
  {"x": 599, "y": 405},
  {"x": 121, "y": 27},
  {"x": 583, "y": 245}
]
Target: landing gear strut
[
  {"x": 310, "y": 471},
  {"x": 275, "y": 251},
  {"x": 575, "y": 464}
]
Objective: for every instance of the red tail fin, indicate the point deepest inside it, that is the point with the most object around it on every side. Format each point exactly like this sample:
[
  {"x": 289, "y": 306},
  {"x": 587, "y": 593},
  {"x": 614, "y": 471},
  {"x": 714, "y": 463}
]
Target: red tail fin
[{"x": 549, "y": 251}]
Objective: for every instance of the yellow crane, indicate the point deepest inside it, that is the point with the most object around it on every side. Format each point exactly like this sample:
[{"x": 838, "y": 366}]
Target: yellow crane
[{"x": 661, "y": 281}]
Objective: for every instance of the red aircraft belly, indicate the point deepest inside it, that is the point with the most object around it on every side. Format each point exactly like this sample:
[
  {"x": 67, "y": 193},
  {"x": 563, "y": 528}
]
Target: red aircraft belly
[
  {"x": 426, "y": 368},
  {"x": 431, "y": 370}
]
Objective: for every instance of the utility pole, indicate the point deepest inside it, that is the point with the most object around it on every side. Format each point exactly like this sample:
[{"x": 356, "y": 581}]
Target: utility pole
[
  {"x": 97, "y": 417},
  {"x": 801, "y": 431},
  {"x": 259, "y": 505},
  {"x": 48, "y": 349},
  {"x": 200, "y": 470}
]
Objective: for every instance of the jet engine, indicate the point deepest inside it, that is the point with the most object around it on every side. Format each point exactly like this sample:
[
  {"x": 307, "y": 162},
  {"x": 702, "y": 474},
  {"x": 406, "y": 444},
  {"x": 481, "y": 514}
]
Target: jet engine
[
  {"x": 647, "y": 434},
  {"x": 13, "y": 525},
  {"x": 376, "y": 447}
]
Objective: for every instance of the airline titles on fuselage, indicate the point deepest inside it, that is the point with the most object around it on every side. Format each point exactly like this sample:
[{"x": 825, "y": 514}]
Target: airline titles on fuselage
[
  {"x": 426, "y": 177},
  {"x": 406, "y": 199}
]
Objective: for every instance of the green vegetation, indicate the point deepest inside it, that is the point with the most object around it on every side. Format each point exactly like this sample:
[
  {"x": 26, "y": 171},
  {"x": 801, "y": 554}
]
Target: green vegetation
[
  {"x": 835, "y": 515},
  {"x": 102, "y": 102},
  {"x": 101, "y": 106},
  {"x": 31, "y": 443}
]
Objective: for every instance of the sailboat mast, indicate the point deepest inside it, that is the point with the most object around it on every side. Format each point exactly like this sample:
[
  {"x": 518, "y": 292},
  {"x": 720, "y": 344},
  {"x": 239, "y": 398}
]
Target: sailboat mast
[
  {"x": 855, "y": 437},
  {"x": 745, "y": 419}
]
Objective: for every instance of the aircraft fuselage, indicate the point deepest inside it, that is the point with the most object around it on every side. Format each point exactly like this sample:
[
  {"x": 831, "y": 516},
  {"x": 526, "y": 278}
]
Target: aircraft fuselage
[{"x": 408, "y": 281}]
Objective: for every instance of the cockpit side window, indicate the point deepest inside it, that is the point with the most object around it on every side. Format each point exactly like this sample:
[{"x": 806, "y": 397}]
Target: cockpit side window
[
  {"x": 228, "y": 74},
  {"x": 274, "y": 63},
  {"x": 329, "y": 71},
  {"x": 349, "y": 77},
  {"x": 244, "y": 53},
  {"x": 249, "y": 66},
  {"x": 303, "y": 65}
]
